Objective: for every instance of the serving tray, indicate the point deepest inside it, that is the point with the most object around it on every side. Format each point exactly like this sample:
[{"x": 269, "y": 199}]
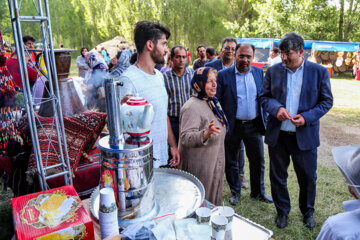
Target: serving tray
[
  {"x": 176, "y": 193},
  {"x": 243, "y": 228}
]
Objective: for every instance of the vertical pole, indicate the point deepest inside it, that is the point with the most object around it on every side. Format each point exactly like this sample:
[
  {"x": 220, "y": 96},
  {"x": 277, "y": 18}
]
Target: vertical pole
[{"x": 14, "y": 14}]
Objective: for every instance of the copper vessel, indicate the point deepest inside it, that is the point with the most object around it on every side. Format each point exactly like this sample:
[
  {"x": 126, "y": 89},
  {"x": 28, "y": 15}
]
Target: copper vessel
[{"x": 70, "y": 101}]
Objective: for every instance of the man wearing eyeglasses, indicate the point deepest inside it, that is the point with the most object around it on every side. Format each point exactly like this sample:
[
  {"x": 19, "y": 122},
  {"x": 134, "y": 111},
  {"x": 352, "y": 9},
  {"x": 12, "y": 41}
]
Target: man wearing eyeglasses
[
  {"x": 227, "y": 60},
  {"x": 238, "y": 91},
  {"x": 227, "y": 55},
  {"x": 296, "y": 93}
]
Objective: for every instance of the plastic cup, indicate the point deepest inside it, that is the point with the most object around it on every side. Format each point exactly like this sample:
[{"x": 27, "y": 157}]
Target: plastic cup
[
  {"x": 227, "y": 212},
  {"x": 108, "y": 224},
  {"x": 218, "y": 226},
  {"x": 203, "y": 215},
  {"x": 107, "y": 200}
]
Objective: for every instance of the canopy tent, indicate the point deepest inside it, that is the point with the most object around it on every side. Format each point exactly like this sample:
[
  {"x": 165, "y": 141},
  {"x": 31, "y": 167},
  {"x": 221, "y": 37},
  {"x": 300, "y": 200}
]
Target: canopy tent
[
  {"x": 263, "y": 46},
  {"x": 307, "y": 43},
  {"x": 336, "y": 46},
  {"x": 262, "y": 43},
  {"x": 267, "y": 43}
]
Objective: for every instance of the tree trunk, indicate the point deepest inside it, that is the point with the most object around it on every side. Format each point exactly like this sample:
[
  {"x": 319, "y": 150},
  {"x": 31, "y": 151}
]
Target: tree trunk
[
  {"x": 341, "y": 20},
  {"x": 349, "y": 24}
]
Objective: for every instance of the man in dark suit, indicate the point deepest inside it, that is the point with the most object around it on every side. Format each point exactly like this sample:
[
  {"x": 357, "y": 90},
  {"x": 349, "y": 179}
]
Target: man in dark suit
[
  {"x": 227, "y": 55},
  {"x": 227, "y": 60},
  {"x": 296, "y": 94},
  {"x": 238, "y": 91}
]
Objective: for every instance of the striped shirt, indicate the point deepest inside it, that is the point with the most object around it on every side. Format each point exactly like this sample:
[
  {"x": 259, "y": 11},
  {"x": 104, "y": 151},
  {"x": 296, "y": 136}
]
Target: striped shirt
[
  {"x": 151, "y": 88},
  {"x": 178, "y": 89}
]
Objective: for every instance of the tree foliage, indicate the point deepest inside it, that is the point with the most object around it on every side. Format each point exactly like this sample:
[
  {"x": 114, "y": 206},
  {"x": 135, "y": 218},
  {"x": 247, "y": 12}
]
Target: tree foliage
[{"x": 76, "y": 23}]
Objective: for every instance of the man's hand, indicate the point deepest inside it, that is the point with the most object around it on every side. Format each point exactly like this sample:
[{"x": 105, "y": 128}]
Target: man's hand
[
  {"x": 175, "y": 157},
  {"x": 283, "y": 114},
  {"x": 173, "y": 146},
  {"x": 298, "y": 120}
]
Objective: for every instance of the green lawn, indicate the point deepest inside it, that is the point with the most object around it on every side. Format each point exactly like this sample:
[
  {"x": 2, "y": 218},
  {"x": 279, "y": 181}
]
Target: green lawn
[
  {"x": 346, "y": 100},
  {"x": 331, "y": 192}
]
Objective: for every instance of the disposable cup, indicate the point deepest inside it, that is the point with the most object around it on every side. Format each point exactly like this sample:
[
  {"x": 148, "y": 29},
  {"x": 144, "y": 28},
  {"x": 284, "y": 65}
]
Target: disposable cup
[
  {"x": 108, "y": 224},
  {"x": 227, "y": 212},
  {"x": 218, "y": 226},
  {"x": 107, "y": 200},
  {"x": 203, "y": 215}
]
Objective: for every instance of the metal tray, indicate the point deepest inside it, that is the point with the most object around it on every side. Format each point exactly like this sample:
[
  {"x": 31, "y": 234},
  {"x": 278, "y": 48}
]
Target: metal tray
[
  {"x": 176, "y": 192},
  {"x": 243, "y": 228}
]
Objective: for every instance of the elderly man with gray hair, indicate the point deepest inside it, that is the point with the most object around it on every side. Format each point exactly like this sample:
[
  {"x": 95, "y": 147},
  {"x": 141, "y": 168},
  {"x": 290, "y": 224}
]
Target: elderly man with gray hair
[{"x": 345, "y": 225}]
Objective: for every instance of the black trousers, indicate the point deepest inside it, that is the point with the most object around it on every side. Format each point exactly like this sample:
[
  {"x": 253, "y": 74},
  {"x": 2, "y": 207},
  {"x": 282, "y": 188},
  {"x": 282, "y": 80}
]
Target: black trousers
[
  {"x": 254, "y": 147},
  {"x": 305, "y": 164}
]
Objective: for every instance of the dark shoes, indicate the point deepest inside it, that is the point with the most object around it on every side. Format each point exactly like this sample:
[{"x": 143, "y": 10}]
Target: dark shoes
[
  {"x": 234, "y": 199},
  {"x": 263, "y": 198},
  {"x": 281, "y": 221},
  {"x": 309, "y": 222}
]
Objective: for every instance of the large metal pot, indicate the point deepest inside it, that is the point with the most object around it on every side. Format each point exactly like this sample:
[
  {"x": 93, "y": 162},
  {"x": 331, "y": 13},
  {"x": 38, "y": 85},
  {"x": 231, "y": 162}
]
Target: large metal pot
[{"x": 129, "y": 172}]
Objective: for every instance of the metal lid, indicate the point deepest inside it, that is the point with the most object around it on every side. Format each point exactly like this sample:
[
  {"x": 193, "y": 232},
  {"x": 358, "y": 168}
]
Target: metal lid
[
  {"x": 104, "y": 145},
  {"x": 137, "y": 101}
]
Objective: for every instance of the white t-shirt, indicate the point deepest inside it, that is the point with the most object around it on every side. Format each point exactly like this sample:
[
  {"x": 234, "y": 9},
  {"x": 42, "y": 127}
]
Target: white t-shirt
[{"x": 152, "y": 88}]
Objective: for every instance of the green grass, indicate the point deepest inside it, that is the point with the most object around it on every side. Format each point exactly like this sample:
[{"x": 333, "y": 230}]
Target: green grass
[
  {"x": 74, "y": 71},
  {"x": 346, "y": 100},
  {"x": 331, "y": 192}
]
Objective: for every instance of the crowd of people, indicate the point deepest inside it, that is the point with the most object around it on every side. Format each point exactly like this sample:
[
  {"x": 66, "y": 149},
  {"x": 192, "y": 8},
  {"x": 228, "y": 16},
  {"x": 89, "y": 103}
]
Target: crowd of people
[{"x": 208, "y": 116}]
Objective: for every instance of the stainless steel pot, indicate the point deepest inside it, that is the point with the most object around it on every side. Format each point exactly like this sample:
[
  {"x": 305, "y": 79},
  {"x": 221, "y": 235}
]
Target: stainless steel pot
[{"x": 129, "y": 171}]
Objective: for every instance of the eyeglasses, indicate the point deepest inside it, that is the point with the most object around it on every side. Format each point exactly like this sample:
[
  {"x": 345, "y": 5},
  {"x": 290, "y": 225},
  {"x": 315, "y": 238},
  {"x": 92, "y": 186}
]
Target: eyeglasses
[
  {"x": 287, "y": 54},
  {"x": 229, "y": 49}
]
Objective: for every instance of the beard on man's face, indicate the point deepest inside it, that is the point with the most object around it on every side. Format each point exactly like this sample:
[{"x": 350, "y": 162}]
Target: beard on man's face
[{"x": 157, "y": 57}]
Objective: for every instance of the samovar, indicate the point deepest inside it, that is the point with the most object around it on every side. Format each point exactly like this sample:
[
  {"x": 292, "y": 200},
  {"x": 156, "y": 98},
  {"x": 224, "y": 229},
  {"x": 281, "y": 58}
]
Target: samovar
[{"x": 127, "y": 155}]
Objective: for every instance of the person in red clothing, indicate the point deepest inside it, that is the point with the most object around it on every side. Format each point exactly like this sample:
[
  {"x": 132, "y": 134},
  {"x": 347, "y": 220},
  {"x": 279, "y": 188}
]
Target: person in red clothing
[{"x": 13, "y": 67}]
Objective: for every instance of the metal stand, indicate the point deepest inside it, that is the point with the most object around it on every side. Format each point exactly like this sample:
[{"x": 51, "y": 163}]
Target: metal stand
[{"x": 35, "y": 124}]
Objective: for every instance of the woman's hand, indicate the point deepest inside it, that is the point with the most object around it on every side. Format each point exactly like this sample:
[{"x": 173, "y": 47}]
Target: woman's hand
[{"x": 211, "y": 131}]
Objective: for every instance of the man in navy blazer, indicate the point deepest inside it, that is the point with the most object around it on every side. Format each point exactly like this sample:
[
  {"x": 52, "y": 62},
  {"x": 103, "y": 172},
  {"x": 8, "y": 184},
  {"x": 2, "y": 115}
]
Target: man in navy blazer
[
  {"x": 238, "y": 91},
  {"x": 296, "y": 94},
  {"x": 227, "y": 60}
]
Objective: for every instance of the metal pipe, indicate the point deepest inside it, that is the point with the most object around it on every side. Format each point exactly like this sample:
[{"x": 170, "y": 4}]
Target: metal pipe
[
  {"x": 59, "y": 124},
  {"x": 14, "y": 11},
  {"x": 58, "y": 174},
  {"x": 112, "y": 95},
  {"x": 32, "y": 19}
]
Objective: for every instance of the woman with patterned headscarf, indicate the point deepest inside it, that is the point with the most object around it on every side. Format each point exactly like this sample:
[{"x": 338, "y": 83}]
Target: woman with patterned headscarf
[
  {"x": 203, "y": 127},
  {"x": 95, "y": 94}
]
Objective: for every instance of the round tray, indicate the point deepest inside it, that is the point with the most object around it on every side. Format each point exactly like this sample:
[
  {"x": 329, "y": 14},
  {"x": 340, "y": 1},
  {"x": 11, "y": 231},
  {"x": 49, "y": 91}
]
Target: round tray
[{"x": 176, "y": 192}]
